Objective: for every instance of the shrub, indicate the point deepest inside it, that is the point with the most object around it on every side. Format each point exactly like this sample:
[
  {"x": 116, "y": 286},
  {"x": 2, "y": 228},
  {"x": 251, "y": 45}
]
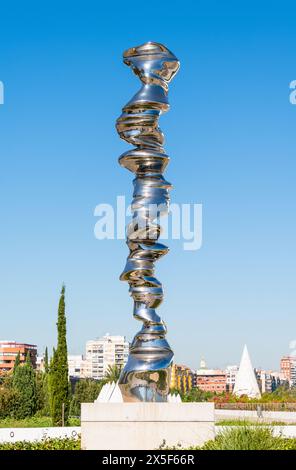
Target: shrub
[
  {"x": 288, "y": 444},
  {"x": 46, "y": 444},
  {"x": 249, "y": 438}
]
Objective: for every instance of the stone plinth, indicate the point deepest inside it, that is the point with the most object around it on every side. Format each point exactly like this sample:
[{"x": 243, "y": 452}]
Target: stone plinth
[{"x": 132, "y": 426}]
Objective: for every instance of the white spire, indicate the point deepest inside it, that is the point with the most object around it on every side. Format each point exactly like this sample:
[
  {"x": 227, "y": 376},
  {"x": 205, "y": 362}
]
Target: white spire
[
  {"x": 202, "y": 364},
  {"x": 246, "y": 383}
]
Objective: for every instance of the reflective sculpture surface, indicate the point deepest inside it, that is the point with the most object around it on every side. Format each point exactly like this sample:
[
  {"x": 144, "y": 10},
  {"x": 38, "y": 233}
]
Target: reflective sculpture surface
[{"x": 146, "y": 376}]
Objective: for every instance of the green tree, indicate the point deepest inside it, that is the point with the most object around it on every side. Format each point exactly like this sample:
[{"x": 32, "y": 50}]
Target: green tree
[
  {"x": 44, "y": 383},
  {"x": 46, "y": 365},
  {"x": 24, "y": 384},
  {"x": 17, "y": 361},
  {"x": 42, "y": 393},
  {"x": 9, "y": 402},
  {"x": 112, "y": 373},
  {"x": 59, "y": 384},
  {"x": 85, "y": 391},
  {"x": 39, "y": 392},
  {"x": 195, "y": 394},
  {"x": 28, "y": 358}
]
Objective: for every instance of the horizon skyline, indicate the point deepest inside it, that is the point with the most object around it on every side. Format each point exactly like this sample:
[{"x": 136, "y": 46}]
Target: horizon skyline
[
  {"x": 229, "y": 134},
  {"x": 202, "y": 357}
]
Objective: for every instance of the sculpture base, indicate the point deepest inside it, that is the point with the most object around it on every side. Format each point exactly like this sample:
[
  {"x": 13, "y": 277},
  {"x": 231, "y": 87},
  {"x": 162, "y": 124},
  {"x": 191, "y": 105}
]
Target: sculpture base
[{"x": 145, "y": 426}]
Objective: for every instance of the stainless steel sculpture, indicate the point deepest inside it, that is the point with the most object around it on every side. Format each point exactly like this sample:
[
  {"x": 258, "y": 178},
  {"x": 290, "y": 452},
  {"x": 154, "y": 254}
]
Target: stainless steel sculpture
[{"x": 146, "y": 376}]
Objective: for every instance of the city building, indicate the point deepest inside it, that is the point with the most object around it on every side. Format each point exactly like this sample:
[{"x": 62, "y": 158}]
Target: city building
[
  {"x": 209, "y": 380},
  {"x": 182, "y": 378},
  {"x": 280, "y": 379},
  {"x": 288, "y": 369},
  {"x": 269, "y": 381},
  {"x": 9, "y": 351},
  {"x": 40, "y": 363},
  {"x": 75, "y": 366},
  {"x": 246, "y": 381},
  {"x": 231, "y": 373},
  {"x": 102, "y": 353}
]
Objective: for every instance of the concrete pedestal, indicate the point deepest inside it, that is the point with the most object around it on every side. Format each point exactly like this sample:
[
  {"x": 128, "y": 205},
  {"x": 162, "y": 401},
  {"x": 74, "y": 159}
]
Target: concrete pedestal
[{"x": 131, "y": 426}]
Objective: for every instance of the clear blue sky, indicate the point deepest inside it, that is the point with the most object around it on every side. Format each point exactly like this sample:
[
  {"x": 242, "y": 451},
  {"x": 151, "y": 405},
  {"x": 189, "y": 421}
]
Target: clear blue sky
[{"x": 231, "y": 137}]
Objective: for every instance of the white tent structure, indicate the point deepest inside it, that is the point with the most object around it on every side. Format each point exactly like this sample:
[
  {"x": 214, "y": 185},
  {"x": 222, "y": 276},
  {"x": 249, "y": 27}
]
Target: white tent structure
[
  {"x": 245, "y": 382},
  {"x": 110, "y": 393}
]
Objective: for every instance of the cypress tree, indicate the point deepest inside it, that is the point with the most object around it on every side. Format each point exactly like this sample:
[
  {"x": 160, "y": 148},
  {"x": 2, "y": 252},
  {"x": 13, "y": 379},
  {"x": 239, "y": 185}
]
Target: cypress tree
[
  {"x": 17, "y": 362},
  {"x": 59, "y": 385},
  {"x": 42, "y": 387},
  {"x": 28, "y": 359},
  {"x": 46, "y": 366}
]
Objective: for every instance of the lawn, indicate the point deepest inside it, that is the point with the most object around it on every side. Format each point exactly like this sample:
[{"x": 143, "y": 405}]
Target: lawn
[
  {"x": 248, "y": 422},
  {"x": 33, "y": 422}
]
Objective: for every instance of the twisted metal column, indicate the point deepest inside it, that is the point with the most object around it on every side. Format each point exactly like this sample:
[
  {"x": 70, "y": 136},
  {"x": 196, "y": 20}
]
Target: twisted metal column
[{"x": 146, "y": 376}]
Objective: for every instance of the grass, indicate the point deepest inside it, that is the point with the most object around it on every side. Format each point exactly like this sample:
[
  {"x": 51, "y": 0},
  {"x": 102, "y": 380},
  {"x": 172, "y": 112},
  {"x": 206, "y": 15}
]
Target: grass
[
  {"x": 249, "y": 438},
  {"x": 249, "y": 422},
  {"x": 33, "y": 422},
  {"x": 243, "y": 437}
]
